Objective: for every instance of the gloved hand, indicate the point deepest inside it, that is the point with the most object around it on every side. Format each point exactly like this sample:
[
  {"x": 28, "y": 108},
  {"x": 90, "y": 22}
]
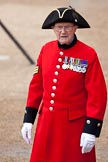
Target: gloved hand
[
  {"x": 26, "y": 132},
  {"x": 87, "y": 142}
]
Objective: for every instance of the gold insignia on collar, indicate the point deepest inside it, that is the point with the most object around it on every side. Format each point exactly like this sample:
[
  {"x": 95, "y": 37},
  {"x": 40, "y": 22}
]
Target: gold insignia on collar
[{"x": 36, "y": 70}]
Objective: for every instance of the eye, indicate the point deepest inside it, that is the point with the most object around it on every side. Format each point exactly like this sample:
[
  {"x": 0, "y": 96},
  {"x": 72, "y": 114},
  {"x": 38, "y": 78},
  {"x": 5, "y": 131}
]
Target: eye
[{"x": 59, "y": 27}]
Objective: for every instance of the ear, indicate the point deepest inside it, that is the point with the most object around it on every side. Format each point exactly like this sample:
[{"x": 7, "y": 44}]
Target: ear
[{"x": 76, "y": 27}]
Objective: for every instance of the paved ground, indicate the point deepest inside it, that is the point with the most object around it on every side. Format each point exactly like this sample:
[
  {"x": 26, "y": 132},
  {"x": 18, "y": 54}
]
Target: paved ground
[{"x": 24, "y": 20}]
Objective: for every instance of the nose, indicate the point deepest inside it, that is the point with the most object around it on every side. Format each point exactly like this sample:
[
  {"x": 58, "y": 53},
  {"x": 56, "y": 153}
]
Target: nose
[{"x": 63, "y": 30}]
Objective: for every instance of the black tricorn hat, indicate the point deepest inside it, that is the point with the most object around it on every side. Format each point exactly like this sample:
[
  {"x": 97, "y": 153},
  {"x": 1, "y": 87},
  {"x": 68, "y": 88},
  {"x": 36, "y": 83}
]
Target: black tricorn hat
[{"x": 65, "y": 14}]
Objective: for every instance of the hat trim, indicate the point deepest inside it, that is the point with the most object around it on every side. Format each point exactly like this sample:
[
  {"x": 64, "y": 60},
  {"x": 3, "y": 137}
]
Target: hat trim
[{"x": 61, "y": 16}]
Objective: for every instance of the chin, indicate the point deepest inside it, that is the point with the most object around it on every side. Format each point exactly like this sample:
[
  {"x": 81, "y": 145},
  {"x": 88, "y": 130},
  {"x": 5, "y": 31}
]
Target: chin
[{"x": 63, "y": 42}]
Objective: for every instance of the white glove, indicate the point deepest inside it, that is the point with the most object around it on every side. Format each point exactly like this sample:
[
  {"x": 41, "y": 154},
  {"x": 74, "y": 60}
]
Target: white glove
[
  {"x": 87, "y": 142},
  {"x": 26, "y": 132}
]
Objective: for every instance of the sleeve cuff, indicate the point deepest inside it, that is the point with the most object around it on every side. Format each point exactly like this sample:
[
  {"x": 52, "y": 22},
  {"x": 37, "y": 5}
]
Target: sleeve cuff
[
  {"x": 30, "y": 115},
  {"x": 93, "y": 126}
]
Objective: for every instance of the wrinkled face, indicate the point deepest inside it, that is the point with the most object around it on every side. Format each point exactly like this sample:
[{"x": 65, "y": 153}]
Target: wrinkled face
[{"x": 64, "y": 32}]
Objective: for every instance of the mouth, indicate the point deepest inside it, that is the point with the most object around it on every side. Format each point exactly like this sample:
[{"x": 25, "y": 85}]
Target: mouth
[{"x": 64, "y": 36}]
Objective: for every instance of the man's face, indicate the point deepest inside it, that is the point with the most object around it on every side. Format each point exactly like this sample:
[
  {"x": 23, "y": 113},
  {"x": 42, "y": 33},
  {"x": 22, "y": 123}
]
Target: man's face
[{"x": 64, "y": 32}]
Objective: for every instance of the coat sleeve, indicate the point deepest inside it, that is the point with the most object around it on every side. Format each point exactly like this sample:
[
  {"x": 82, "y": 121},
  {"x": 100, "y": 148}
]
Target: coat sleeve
[
  {"x": 97, "y": 98},
  {"x": 35, "y": 93}
]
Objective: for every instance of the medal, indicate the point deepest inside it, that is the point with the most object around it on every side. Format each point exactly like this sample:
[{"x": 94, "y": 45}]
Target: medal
[
  {"x": 79, "y": 68},
  {"x": 74, "y": 68},
  {"x": 71, "y": 63},
  {"x": 75, "y": 64},
  {"x": 83, "y": 70},
  {"x": 70, "y": 67},
  {"x": 65, "y": 65},
  {"x": 84, "y": 65}
]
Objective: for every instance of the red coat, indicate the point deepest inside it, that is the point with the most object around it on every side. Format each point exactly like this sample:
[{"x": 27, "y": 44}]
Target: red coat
[{"x": 71, "y": 86}]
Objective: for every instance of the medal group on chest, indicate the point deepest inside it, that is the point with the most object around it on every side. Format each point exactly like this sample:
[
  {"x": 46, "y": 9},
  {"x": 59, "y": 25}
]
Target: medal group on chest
[{"x": 75, "y": 64}]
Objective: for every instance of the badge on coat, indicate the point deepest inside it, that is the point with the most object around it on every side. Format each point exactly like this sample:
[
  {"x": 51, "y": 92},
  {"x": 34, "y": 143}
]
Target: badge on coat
[
  {"x": 75, "y": 64},
  {"x": 36, "y": 70}
]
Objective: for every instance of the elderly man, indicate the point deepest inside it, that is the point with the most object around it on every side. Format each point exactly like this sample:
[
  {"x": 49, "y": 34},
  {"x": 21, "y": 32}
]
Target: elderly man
[{"x": 68, "y": 91}]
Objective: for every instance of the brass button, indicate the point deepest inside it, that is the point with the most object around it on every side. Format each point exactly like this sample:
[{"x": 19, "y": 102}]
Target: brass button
[
  {"x": 58, "y": 66},
  {"x": 51, "y": 108},
  {"x": 61, "y": 53},
  {"x": 54, "y": 87},
  {"x": 60, "y": 59},
  {"x": 55, "y": 80},
  {"x": 52, "y": 94},
  {"x": 52, "y": 101},
  {"x": 56, "y": 72}
]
